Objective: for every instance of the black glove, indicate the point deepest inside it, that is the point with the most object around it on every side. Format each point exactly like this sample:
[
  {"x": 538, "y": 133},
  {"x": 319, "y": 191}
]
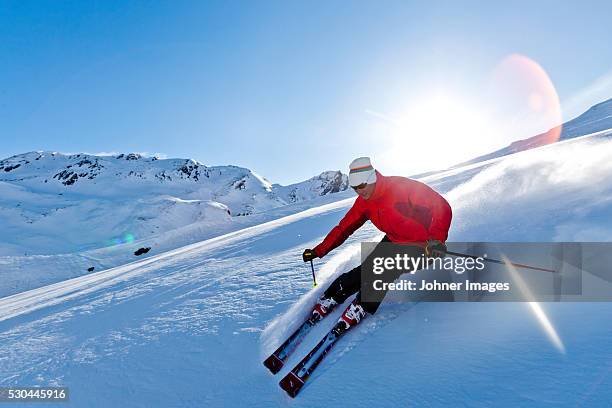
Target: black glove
[
  {"x": 308, "y": 255},
  {"x": 435, "y": 249}
]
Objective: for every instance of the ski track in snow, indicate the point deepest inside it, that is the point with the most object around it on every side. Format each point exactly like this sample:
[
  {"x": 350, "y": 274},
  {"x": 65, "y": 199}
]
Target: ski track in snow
[{"x": 190, "y": 327}]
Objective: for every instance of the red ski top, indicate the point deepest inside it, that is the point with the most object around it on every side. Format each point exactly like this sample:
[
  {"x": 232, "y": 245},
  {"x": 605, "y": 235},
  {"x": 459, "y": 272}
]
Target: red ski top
[{"x": 406, "y": 210}]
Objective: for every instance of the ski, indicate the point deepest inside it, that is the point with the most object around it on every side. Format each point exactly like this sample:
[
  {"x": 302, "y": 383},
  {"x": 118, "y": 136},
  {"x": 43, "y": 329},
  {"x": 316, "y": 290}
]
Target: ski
[
  {"x": 293, "y": 382},
  {"x": 277, "y": 359}
]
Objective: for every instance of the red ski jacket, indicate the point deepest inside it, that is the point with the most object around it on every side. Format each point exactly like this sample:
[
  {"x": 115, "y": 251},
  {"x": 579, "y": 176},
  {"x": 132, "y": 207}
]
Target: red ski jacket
[{"x": 406, "y": 210}]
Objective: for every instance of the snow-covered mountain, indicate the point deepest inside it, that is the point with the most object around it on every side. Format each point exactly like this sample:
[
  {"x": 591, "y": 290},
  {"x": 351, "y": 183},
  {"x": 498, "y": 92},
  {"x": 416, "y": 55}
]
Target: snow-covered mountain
[
  {"x": 191, "y": 326},
  {"x": 595, "y": 119},
  {"x": 52, "y": 202},
  {"x": 328, "y": 182}
]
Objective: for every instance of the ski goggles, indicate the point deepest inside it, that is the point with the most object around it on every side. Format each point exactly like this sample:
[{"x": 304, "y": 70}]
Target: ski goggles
[{"x": 359, "y": 187}]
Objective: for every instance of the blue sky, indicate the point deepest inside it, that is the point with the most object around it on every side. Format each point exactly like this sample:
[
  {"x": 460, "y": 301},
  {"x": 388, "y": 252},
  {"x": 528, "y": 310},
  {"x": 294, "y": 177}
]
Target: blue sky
[{"x": 287, "y": 89}]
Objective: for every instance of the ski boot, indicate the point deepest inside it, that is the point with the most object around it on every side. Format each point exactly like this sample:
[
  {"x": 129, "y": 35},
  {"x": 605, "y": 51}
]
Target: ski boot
[
  {"x": 323, "y": 307},
  {"x": 351, "y": 316}
]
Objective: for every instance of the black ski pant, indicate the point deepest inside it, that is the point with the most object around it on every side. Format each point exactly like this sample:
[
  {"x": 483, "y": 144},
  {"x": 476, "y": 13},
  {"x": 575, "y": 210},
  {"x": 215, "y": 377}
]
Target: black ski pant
[{"x": 350, "y": 282}]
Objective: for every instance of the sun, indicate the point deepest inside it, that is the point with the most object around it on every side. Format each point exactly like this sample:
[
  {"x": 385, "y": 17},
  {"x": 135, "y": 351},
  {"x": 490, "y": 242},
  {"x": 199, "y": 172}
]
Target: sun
[{"x": 437, "y": 132}]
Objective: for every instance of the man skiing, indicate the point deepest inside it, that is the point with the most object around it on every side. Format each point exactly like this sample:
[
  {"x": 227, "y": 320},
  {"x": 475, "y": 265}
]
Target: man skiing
[{"x": 407, "y": 211}]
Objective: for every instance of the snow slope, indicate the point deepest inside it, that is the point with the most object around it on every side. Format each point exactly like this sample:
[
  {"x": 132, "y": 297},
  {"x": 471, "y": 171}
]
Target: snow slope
[
  {"x": 190, "y": 327},
  {"x": 596, "y": 119},
  {"x": 21, "y": 273}
]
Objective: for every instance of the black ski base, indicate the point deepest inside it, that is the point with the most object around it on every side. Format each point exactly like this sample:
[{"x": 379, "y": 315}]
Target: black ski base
[
  {"x": 274, "y": 364},
  {"x": 292, "y": 384}
]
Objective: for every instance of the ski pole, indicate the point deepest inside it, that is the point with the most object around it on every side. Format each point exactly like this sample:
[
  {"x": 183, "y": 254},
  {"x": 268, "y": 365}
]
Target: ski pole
[
  {"x": 518, "y": 265},
  {"x": 314, "y": 279}
]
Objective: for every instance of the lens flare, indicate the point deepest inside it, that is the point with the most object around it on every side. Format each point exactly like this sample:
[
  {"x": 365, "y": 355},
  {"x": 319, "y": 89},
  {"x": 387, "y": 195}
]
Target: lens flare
[
  {"x": 527, "y": 102},
  {"x": 537, "y": 310},
  {"x": 126, "y": 238}
]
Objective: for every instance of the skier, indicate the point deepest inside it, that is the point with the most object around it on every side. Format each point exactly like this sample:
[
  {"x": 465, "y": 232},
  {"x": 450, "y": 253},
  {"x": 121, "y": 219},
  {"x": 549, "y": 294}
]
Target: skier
[{"x": 407, "y": 211}]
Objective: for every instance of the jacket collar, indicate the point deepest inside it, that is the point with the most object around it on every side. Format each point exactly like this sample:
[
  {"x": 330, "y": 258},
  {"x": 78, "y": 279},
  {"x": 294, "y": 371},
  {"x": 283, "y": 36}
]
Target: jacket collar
[{"x": 379, "y": 189}]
